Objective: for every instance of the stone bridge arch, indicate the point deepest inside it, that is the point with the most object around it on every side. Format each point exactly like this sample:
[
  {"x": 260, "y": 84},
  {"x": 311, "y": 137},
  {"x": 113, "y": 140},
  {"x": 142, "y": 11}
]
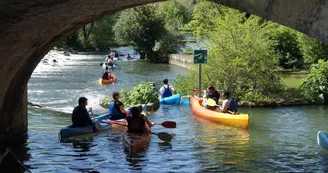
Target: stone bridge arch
[{"x": 29, "y": 29}]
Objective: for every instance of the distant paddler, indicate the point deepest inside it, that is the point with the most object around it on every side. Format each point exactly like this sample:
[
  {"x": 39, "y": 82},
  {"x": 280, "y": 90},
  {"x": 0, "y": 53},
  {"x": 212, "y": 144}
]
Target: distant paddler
[{"x": 166, "y": 90}]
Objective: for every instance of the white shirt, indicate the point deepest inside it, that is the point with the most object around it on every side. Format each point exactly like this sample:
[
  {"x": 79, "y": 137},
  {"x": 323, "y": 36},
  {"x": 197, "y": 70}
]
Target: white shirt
[
  {"x": 226, "y": 101},
  {"x": 162, "y": 89}
]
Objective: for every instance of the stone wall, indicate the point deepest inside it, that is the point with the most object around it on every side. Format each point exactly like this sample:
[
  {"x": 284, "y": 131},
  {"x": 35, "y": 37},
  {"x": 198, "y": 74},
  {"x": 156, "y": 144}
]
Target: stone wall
[{"x": 181, "y": 60}]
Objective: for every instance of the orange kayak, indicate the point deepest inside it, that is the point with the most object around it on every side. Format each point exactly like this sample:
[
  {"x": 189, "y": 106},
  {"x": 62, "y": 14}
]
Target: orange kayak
[
  {"x": 240, "y": 120},
  {"x": 135, "y": 142},
  {"x": 104, "y": 81}
]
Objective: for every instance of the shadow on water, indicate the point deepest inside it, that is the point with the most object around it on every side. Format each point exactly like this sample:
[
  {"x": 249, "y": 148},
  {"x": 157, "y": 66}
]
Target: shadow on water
[{"x": 9, "y": 163}]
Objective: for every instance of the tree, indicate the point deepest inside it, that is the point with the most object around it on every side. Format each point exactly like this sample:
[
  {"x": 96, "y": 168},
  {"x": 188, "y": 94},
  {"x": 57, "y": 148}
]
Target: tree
[
  {"x": 144, "y": 29},
  {"x": 287, "y": 47},
  {"x": 312, "y": 49},
  {"x": 240, "y": 55},
  {"x": 102, "y": 36},
  {"x": 87, "y": 29},
  {"x": 174, "y": 14}
]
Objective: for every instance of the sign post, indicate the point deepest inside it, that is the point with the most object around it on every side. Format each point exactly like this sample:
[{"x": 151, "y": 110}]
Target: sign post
[{"x": 200, "y": 57}]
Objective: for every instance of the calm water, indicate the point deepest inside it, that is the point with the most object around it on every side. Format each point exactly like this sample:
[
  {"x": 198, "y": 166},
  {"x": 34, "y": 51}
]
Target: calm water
[{"x": 278, "y": 139}]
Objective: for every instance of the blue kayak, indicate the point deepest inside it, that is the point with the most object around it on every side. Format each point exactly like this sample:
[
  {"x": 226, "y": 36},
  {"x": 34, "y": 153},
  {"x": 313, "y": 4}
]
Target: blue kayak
[
  {"x": 69, "y": 131},
  {"x": 322, "y": 139},
  {"x": 172, "y": 100}
]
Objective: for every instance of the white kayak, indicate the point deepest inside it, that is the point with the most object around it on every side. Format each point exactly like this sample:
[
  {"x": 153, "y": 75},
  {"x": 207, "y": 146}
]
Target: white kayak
[{"x": 322, "y": 139}]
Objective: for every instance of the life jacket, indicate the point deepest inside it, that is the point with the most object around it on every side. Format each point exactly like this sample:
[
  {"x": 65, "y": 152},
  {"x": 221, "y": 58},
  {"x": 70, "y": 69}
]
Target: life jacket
[
  {"x": 106, "y": 76},
  {"x": 113, "y": 109},
  {"x": 136, "y": 125},
  {"x": 167, "y": 92},
  {"x": 109, "y": 76},
  {"x": 232, "y": 105}
]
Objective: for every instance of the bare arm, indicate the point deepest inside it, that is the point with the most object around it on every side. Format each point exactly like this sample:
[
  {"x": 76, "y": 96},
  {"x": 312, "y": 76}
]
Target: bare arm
[
  {"x": 122, "y": 109},
  {"x": 225, "y": 107},
  {"x": 147, "y": 121}
]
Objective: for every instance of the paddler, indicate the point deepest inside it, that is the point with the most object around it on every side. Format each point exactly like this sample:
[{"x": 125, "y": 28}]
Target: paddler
[
  {"x": 166, "y": 90},
  {"x": 110, "y": 62},
  {"x": 211, "y": 93},
  {"x": 80, "y": 115},
  {"x": 229, "y": 105},
  {"x": 138, "y": 122},
  {"x": 116, "y": 108},
  {"x": 108, "y": 74}
]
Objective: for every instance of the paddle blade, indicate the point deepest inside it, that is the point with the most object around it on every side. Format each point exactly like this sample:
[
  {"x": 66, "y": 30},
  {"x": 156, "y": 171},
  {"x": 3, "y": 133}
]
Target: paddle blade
[
  {"x": 211, "y": 102},
  {"x": 197, "y": 90},
  {"x": 164, "y": 136},
  {"x": 169, "y": 124}
]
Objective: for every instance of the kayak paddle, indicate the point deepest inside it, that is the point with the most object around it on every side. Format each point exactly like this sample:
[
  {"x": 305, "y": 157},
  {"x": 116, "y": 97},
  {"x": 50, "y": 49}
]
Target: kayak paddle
[
  {"x": 168, "y": 124},
  {"x": 197, "y": 90},
  {"x": 162, "y": 135},
  {"x": 211, "y": 102}
]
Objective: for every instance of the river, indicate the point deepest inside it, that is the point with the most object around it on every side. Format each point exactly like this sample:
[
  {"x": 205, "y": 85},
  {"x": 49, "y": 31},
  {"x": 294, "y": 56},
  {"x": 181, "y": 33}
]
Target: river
[{"x": 277, "y": 140}]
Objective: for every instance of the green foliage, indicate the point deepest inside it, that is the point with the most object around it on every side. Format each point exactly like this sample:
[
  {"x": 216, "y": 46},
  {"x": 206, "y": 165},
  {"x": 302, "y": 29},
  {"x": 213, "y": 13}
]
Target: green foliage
[
  {"x": 287, "y": 47},
  {"x": 142, "y": 93},
  {"x": 240, "y": 55},
  {"x": 312, "y": 49},
  {"x": 174, "y": 14},
  {"x": 144, "y": 28},
  {"x": 102, "y": 36},
  {"x": 104, "y": 102},
  {"x": 257, "y": 98},
  {"x": 316, "y": 84}
]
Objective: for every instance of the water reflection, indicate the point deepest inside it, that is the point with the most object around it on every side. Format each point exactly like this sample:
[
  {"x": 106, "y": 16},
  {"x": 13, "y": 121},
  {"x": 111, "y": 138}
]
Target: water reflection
[{"x": 220, "y": 147}]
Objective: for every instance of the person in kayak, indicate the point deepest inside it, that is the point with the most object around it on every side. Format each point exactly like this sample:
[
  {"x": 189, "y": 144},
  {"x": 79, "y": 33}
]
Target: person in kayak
[
  {"x": 116, "y": 108},
  {"x": 166, "y": 90},
  {"x": 107, "y": 74},
  {"x": 229, "y": 105},
  {"x": 129, "y": 57},
  {"x": 80, "y": 115},
  {"x": 110, "y": 62},
  {"x": 106, "y": 59},
  {"x": 138, "y": 122},
  {"x": 211, "y": 93}
]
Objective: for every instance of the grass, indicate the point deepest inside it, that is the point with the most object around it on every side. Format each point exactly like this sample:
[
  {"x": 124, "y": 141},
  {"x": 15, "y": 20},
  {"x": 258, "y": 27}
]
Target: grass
[{"x": 292, "y": 80}]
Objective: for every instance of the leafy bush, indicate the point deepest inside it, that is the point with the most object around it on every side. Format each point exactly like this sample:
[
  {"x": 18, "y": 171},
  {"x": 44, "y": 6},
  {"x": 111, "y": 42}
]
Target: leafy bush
[
  {"x": 316, "y": 84},
  {"x": 257, "y": 98},
  {"x": 241, "y": 58},
  {"x": 142, "y": 93},
  {"x": 287, "y": 47}
]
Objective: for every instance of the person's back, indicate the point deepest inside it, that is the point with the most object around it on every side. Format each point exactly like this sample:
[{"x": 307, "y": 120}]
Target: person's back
[
  {"x": 232, "y": 105},
  {"x": 136, "y": 122},
  {"x": 166, "y": 90},
  {"x": 79, "y": 117}
]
